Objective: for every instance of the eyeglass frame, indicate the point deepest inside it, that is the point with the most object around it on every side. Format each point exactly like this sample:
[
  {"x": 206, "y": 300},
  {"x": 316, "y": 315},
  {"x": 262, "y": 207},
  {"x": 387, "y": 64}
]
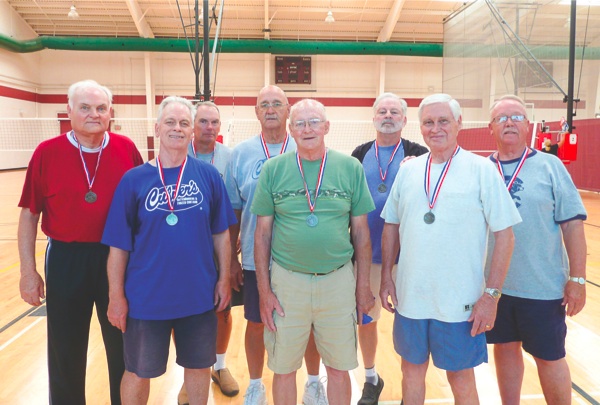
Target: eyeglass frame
[
  {"x": 276, "y": 105},
  {"x": 501, "y": 119},
  {"x": 300, "y": 125}
]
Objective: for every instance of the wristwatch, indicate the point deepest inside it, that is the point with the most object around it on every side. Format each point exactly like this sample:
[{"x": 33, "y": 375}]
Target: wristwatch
[
  {"x": 578, "y": 280},
  {"x": 493, "y": 292}
]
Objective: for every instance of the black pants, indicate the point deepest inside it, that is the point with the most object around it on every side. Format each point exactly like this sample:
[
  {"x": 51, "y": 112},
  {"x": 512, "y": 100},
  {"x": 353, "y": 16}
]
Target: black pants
[{"x": 76, "y": 280}]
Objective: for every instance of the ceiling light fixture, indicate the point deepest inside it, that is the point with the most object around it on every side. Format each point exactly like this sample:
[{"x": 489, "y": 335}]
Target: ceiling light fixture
[
  {"x": 73, "y": 12},
  {"x": 329, "y": 19}
]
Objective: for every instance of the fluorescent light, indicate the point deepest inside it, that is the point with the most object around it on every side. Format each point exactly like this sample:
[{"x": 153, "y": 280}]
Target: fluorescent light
[
  {"x": 329, "y": 19},
  {"x": 73, "y": 12}
]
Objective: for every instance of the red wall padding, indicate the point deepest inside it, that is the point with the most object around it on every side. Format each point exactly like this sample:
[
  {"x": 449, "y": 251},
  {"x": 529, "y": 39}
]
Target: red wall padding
[{"x": 585, "y": 171}]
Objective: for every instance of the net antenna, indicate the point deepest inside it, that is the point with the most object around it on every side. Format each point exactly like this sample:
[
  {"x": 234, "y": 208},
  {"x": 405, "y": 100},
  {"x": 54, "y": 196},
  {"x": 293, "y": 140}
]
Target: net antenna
[{"x": 200, "y": 58}]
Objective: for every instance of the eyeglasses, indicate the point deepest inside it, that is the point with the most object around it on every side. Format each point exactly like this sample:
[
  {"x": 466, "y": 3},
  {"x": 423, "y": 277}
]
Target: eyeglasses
[
  {"x": 275, "y": 105},
  {"x": 501, "y": 119},
  {"x": 312, "y": 123}
]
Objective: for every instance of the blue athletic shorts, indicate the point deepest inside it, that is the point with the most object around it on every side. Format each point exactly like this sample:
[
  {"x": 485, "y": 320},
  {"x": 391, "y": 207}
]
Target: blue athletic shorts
[
  {"x": 539, "y": 324},
  {"x": 146, "y": 343},
  {"x": 450, "y": 344},
  {"x": 251, "y": 300}
]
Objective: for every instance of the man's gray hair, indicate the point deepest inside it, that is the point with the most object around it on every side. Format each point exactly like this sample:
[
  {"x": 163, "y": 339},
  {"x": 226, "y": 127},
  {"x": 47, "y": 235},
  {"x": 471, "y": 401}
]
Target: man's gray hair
[
  {"x": 441, "y": 98},
  {"x": 175, "y": 99},
  {"x": 392, "y": 96},
  {"x": 308, "y": 102},
  {"x": 88, "y": 84},
  {"x": 207, "y": 104},
  {"x": 508, "y": 97}
]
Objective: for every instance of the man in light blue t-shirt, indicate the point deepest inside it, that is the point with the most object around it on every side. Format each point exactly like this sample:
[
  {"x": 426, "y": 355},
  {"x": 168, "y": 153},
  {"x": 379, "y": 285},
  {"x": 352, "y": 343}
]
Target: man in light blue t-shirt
[{"x": 546, "y": 278}]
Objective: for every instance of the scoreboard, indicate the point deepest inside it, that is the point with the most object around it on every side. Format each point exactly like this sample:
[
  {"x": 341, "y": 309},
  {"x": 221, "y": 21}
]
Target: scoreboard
[{"x": 292, "y": 69}]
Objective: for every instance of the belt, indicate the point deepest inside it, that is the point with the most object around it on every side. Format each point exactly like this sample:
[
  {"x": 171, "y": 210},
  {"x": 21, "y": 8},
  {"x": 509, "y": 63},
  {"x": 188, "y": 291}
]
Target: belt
[{"x": 326, "y": 274}]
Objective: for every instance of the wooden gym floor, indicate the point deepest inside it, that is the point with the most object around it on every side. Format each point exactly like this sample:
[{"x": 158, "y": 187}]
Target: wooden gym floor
[{"x": 23, "y": 372}]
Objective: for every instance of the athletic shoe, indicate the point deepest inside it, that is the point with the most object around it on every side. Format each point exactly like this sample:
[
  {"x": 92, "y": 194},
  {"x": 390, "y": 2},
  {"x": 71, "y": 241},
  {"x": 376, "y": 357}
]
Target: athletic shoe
[
  {"x": 314, "y": 394},
  {"x": 182, "y": 398},
  {"x": 370, "y": 394},
  {"x": 225, "y": 381},
  {"x": 255, "y": 395}
]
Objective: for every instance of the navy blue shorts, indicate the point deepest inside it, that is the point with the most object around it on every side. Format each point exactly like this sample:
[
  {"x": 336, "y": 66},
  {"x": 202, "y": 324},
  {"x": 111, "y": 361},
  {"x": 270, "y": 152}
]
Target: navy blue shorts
[
  {"x": 450, "y": 344},
  {"x": 251, "y": 300},
  {"x": 539, "y": 324},
  {"x": 146, "y": 343}
]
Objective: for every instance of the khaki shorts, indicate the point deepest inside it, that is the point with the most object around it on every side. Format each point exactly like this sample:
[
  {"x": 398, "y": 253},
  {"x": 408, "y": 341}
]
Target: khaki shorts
[
  {"x": 375, "y": 312},
  {"x": 325, "y": 303}
]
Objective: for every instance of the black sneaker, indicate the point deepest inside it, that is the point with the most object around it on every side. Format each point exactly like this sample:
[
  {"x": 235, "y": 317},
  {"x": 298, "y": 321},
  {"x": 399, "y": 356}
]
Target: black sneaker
[{"x": 370, "y": 394}]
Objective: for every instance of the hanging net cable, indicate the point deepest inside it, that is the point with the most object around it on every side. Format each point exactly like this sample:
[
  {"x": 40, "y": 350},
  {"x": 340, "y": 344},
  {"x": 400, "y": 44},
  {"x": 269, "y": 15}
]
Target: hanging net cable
[{"x": 587, "y": 21}]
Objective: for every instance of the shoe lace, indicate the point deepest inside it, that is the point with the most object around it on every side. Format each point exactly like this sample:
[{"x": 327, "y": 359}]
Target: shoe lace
[
  {"x": 370, "y": 392},
  {"x": 252, "y": 393},
  {"x": 319, "y": 391}
]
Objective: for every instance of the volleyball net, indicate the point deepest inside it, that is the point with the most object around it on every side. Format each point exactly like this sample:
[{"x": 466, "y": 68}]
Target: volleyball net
[{"x": 20, "y": 136}]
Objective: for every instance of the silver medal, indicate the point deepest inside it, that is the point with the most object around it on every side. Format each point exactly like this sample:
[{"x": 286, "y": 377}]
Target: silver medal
[
  {"x": 382, "y": 188},
  {"x": 90, "y": 197},
  {"x": 172, "y": 219},
  {"x": 429, "y": 218},
  {"x": 312, "y": 220}
]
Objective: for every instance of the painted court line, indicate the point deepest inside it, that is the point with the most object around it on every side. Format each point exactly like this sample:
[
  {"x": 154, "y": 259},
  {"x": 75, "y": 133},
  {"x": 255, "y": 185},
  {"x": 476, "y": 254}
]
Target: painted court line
[{"x": 18, "y": 335}]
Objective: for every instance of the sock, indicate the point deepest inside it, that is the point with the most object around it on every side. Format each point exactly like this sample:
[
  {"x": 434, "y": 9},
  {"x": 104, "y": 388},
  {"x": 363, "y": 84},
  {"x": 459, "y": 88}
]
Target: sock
[
  {"x": 371, "y": 376},
  {"x": 220, "y": 364},
  {"x": 257, "y": 381},
  {"x": 312, "y": 379}
]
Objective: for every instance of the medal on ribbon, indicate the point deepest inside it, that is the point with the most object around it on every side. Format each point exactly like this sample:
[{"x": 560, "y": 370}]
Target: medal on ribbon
[
  {"x": 263, "y": 143},
  {"x": 382, "y": 188},
  {"x": 90, "y": 196},
  {"x": 312, "y": 220},
  {"x": 512, "y": 178},
  {"x": 429, "y": 217},
  {"x": 171, "y": 218}
]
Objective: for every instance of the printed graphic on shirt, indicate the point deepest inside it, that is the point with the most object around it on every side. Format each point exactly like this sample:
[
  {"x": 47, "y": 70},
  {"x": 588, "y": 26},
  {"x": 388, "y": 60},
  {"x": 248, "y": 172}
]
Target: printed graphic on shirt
[
  {"x": 258, "y": 168},
  {"x": 302, "y": 192},
  {"x": 189, "y": 196},
  {"x": 517, "y": 187}
]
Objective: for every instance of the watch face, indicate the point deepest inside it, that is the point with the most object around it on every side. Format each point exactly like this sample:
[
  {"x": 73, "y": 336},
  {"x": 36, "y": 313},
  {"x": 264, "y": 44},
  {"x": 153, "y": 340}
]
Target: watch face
[{"x": 494, "y": 292}]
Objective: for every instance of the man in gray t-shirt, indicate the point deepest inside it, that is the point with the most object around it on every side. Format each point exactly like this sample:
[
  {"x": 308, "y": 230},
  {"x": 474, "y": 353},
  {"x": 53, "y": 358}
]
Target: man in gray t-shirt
[{"x": 546, "y": 278}]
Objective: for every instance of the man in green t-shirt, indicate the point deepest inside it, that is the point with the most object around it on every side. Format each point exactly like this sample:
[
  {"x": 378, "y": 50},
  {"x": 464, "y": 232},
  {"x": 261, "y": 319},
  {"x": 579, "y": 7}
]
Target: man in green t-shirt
[{"x": 304, "y": 202}]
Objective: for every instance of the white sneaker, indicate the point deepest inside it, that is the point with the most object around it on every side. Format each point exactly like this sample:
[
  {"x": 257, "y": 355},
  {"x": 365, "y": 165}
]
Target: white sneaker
[
  {"x": 314, "y": 394},
  {"x": 255, "y": 395}
]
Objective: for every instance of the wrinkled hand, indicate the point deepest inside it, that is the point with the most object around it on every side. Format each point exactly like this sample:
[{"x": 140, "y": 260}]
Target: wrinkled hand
[
  {"x": 118, "y": 308},
  {"x": 268, "y": 305},
  {"x": 31, "y": 286},
  {"x": 364, "y": 301},
  {"x": 483, "y": 315},
  {"x": 387, "y": 291},
  {"x": 574, "y": 298},
  {"x": 222, "y": 295},
  {"x": 236, "y": 276}
]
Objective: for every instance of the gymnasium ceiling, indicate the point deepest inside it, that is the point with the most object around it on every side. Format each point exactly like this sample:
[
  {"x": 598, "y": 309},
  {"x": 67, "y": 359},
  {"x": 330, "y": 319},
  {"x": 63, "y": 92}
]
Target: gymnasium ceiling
[{"x": 297, "y": 20}]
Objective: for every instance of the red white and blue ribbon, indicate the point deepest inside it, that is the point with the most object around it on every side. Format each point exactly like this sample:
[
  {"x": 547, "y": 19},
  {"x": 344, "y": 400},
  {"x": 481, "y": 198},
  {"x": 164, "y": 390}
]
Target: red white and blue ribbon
[
  {"x": 312, "y": 203},
  {"x": 171, "y": 202},
  {"x": 517, "y": 169},
  {"x": 383, "y": 174},
  {"x": 85, "y": 169},
  {"x": 266, "y": 150},
  {"x": 431, "y": 199}
]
